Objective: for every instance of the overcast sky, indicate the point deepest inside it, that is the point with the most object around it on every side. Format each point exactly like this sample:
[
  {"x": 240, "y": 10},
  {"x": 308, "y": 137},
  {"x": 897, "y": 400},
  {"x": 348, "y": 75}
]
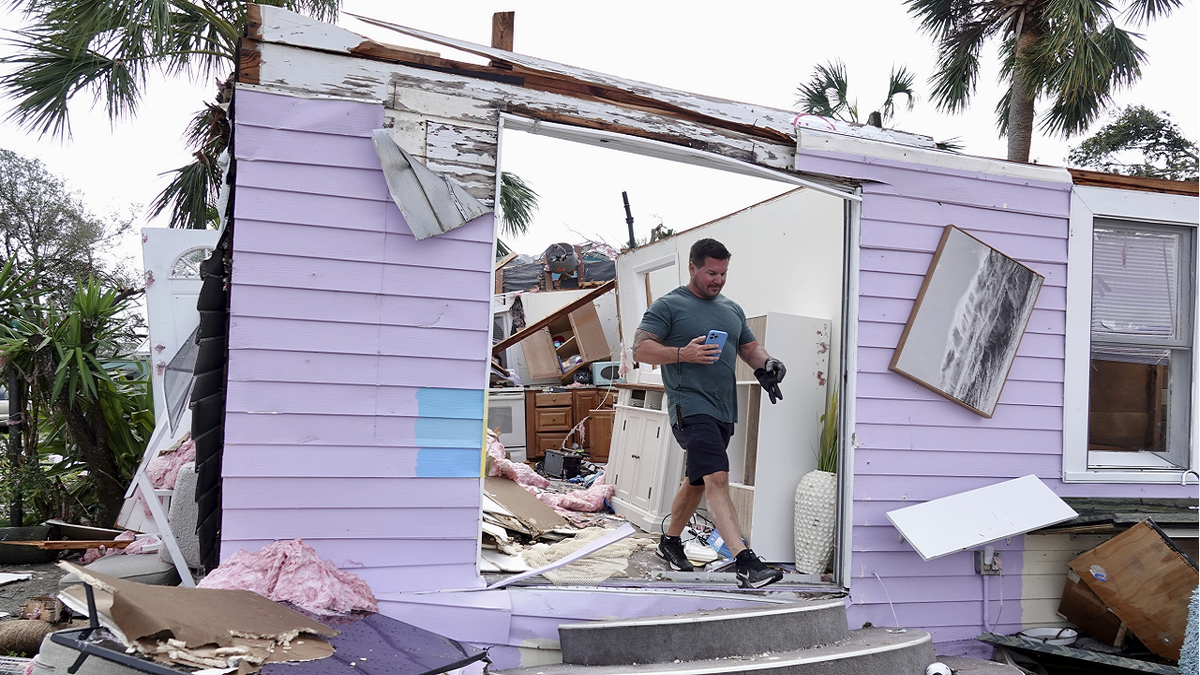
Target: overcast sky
[{"x": 756, "y": 52}]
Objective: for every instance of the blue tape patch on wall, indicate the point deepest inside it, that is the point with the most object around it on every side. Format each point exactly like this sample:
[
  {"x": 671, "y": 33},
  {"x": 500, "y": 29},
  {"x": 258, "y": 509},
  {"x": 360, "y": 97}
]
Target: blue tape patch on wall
[{"x": 449, "y": 432}]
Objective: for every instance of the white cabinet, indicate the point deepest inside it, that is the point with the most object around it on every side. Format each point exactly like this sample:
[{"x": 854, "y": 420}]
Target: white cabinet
[
  {"x": 773, "y": 445},
  {"x": 645, "y": 463}
]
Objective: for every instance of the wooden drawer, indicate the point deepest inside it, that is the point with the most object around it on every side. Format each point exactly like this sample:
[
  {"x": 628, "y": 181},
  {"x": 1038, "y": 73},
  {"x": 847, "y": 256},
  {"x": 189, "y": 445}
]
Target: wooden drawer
[
  {"x": 552, "y": 398},
  {"x": 553, "y": 419},
  {"x": 544, "y": 441}
]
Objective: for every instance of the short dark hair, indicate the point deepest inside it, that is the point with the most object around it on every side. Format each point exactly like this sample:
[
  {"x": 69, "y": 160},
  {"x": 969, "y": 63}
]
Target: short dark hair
[{"x": 707, "y": 248}]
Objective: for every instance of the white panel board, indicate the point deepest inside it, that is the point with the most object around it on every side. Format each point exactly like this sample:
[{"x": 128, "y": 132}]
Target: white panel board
[{"x": 971, "y": 519}]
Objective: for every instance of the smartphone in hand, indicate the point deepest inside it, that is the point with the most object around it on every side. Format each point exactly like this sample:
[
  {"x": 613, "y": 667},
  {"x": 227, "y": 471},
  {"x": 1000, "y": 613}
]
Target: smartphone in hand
[{"x": 716, "y": 337}]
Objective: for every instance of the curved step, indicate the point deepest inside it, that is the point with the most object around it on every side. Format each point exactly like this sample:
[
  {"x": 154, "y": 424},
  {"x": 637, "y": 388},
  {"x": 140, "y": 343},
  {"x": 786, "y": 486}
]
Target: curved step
[
  {"x": 704, "y": 635},
  {"x": 871, "y": 651}
]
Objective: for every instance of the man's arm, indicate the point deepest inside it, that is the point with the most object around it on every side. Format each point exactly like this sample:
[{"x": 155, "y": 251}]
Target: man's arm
[
  {"x": 754, "y": 354},
  {"x": 648, "y": 348}
]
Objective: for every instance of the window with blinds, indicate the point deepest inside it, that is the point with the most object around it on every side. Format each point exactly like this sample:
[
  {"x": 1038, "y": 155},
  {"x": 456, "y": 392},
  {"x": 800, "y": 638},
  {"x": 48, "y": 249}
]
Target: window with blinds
[{"x": 1143, "y": 281}]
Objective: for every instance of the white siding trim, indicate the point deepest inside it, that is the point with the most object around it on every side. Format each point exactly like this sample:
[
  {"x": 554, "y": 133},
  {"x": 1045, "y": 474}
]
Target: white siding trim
[
  {"x": 1088, "y": 203},
  {"x": 845, "y": 537}
]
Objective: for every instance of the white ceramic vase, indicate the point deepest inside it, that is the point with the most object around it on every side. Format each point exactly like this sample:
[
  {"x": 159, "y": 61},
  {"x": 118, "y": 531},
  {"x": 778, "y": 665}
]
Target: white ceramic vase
[{"x": 815, "y": 521}]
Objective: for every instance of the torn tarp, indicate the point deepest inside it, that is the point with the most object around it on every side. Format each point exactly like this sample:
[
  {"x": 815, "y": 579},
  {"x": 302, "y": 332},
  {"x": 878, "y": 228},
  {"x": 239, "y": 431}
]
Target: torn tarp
[{"x": 431, "y": 204}]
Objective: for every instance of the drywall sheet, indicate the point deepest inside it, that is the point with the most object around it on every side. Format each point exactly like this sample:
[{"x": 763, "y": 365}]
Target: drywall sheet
[{"x": 977, "y": 517}]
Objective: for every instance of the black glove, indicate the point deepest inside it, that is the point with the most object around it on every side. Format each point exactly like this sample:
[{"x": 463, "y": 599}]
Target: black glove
[{"x": 769, "y": 377}]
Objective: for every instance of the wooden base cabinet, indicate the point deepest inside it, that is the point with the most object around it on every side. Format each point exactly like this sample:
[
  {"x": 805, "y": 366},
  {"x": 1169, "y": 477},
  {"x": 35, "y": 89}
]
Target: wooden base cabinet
[{"x": 550, "y": 417}]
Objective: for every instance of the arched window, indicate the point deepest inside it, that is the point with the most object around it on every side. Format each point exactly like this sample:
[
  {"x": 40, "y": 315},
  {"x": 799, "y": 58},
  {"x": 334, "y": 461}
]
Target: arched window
[{"x": 187, "y": 265}]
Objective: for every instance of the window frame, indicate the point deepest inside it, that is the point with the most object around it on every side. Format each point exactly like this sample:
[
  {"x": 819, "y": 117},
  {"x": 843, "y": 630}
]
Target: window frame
[{"x": 1089, "y": 204}]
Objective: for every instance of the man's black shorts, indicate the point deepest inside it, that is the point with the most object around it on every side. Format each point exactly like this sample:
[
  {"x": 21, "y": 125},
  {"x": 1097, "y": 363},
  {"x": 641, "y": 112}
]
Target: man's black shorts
[{"x": 705, "y": 439}]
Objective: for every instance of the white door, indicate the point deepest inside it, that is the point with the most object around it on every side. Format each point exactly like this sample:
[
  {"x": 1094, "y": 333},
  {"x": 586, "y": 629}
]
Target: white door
[{"x": 172, "y": 261}]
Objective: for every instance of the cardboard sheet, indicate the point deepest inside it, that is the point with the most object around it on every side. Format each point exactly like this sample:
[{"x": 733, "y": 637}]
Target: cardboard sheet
[
  {"x": 201, "y": 626},
  {"x": 522, "y": 505},
  {"x": 1146, "y": 582}
]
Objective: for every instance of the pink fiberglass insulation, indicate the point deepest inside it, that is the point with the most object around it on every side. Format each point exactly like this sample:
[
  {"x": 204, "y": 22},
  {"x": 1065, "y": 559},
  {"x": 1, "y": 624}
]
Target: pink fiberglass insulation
[
  {"x": 137, "y": 547},
  {"x": 590, "y": 500},
  {"x": 291, "y": 571},
  {"x": 517, "y": 472},
  {"x": 163, "y": 470}
]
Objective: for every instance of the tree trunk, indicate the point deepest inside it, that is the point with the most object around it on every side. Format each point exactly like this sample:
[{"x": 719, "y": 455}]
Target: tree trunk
[
  {"x": 1020, "y": 102},
  {"x": 91, "y": 435}
]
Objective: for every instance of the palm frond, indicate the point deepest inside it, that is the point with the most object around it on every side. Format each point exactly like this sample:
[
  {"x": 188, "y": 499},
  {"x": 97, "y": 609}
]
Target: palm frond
[
  {"x": 518, "y": 201},
  {"x": 49, "y": 73},
  {"x": 900, "y": 83},
  {"x": 958, "y": 67},
  {"x": 1142, "y": 12},
  {"x": 190, "y": 195},
  {"x": 827, "y": 93},
  {"x": 1085, "y": 76}
]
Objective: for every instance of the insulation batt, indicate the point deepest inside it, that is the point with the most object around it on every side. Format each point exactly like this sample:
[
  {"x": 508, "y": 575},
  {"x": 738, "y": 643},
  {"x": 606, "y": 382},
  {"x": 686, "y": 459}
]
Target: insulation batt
[
  {"x": 291, "y": 571},
  {"x": 590, "y": 500},
  {"x": 163, "y": 470},
  {"x": 518, "y": 473}
]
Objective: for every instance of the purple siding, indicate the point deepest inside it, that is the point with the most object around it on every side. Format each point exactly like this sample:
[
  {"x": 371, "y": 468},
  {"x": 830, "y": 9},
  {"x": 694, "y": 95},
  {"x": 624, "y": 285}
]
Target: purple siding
[
  {"x": 357, "y": 356},
  {"x": 915, "y": 445}
]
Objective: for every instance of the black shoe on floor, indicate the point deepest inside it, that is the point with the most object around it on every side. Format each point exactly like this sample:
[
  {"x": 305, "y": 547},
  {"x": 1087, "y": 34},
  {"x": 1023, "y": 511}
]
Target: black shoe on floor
[
  {"x": 671, "y": 550},
  {"x": 752, "y": 573}
]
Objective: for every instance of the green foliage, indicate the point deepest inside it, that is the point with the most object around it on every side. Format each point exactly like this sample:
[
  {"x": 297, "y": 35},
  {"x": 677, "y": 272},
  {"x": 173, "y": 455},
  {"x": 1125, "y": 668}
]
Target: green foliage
[
  {"x": 1071, "y": 52},
  {"x": 109, "y": 49},
  {"x": 827, "y": 460},
  {"x": 827, "y": 93},
  {"x": 48, "y": 232},
  {"x": 1139, "y": 142},
  {"x": 93, "y": 421},
  {"x": 518, "y": 201}
]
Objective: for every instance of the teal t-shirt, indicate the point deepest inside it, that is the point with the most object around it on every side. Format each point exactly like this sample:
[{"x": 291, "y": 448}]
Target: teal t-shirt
[{"x": 680, "y": 317}]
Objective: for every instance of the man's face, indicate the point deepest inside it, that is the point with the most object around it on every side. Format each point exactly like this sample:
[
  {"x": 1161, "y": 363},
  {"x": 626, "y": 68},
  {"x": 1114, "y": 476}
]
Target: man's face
[{"x": 708, "y": 279}]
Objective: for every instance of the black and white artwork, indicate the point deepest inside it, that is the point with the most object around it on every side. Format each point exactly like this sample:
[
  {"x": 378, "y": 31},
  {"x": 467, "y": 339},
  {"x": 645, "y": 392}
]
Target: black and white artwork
[{"x": 967, "y": 323}]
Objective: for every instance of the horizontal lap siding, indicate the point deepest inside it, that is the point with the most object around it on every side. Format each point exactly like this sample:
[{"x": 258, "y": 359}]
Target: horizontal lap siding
[
  {"x": 914, "y": 445},
  {"x": 355, "y": 406}
]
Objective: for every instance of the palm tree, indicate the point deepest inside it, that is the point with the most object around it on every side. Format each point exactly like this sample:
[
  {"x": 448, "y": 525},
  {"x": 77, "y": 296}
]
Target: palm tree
[
  {"x": 1069, "y": 51},
  {"x": 827, "y": 93},
  {"x": 109, "y": 48}
]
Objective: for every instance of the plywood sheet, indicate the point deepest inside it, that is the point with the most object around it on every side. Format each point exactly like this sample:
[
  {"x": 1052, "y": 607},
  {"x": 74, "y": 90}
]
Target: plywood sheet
[
  {"x": 1146, "y": 582},
  {"x": 977, "y": 517}
]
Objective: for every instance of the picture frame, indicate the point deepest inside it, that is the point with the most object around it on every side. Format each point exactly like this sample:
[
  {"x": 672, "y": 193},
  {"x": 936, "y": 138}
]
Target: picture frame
[{"x": 967, "y": 322}]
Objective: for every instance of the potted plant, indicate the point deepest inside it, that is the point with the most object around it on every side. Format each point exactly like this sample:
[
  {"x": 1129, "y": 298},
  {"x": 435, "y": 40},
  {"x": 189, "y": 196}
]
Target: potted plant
[{"x": 816, "y": 499}]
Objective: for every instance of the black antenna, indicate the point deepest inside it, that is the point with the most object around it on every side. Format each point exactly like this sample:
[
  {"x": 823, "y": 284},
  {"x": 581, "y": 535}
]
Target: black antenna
[{"x": 628, "y": 219}]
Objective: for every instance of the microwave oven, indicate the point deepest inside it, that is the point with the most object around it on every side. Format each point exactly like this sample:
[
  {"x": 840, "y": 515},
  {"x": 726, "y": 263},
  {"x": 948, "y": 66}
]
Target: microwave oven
[{"x": 605, "y": 373}]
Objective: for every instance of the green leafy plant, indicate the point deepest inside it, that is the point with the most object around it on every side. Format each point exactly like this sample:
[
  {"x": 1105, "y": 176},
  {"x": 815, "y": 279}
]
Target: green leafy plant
[
  {"x": 827, "y": 460},
  {"x": 100, "y": 418}
]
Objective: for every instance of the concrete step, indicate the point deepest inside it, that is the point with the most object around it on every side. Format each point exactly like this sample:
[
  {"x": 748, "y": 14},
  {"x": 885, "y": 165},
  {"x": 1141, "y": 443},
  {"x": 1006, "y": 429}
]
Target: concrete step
[
  {"x": 871, "y": 651},
  {"x": 961, "y": 665},
  {"x": 705, "y": 635}
]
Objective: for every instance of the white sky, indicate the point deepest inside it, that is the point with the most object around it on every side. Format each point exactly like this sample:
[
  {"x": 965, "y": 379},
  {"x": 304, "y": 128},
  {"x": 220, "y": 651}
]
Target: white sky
[{"x": 753, "y": 52}]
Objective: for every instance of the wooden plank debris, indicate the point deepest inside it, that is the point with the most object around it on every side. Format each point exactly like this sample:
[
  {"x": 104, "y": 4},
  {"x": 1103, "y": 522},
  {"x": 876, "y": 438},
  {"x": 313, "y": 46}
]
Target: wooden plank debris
[{"x": 72, "y": 544}]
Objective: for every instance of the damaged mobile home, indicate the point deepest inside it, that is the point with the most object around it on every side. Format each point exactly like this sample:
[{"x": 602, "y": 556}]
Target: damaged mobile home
[{"x": 355, "y": 343}]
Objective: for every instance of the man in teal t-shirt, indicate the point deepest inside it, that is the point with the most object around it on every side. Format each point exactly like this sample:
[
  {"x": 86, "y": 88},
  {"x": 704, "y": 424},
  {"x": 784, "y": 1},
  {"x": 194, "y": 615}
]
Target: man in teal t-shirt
[{"x": 702, "y": 397}]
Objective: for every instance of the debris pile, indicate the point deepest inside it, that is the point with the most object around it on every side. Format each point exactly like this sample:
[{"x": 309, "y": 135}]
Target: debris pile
[{"x": 199, "y": 627}]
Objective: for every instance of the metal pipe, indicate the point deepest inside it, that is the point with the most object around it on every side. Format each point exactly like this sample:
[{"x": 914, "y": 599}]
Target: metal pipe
[{"x": 628, "y": 219}]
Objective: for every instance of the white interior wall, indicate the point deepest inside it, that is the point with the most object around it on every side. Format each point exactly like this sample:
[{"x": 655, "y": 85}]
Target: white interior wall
[{"x": 787, "y": 257}]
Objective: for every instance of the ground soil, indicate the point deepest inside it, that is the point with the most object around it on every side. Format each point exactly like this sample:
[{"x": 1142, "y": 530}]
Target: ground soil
[{"x": 44, "y": 582}]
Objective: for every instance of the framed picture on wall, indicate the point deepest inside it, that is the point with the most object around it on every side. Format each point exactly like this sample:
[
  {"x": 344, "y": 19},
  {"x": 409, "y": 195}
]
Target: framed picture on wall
[{"x": 967, "y": 322}]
